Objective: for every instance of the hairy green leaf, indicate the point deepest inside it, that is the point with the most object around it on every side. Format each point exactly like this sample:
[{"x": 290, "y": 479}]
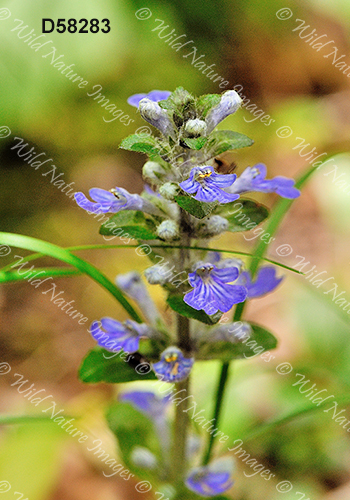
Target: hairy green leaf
[
  {"x": 130, "y": 224},
  {"x": 206, "y": 102},
  {"x": 194, "y": 207},
  {"x": 176, "y": 302},
  {"x": 141, "y": 143},
  {"x": 243, "y": 215},
  {"x": 115, "y": 368},
  {"x": 226, "y": 140},
  {"x": 196, "y": 143},
  {"x": 259, "y": 341}
]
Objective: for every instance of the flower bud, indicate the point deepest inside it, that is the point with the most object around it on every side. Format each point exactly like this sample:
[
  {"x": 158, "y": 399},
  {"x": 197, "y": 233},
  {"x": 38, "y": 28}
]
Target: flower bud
[
  {"x": 196, "y": 128},
  {"x": 143, "y": 458},
  {"x": 153, "y": 172},
  {"x": 156, "y": 116},
  {"x": 230, "y": 102},
  {"x": 159, "y": 274},
  {"x": 212, "y": 226},
  {"x": 168, "y": 230},
  {"x": 169, "y": 190}
]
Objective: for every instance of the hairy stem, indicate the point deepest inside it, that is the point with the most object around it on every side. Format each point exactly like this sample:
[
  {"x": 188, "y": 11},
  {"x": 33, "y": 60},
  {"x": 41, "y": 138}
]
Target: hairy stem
[
  {"x": 184, "y": 343},
  {"x": 180, "y": 434}
]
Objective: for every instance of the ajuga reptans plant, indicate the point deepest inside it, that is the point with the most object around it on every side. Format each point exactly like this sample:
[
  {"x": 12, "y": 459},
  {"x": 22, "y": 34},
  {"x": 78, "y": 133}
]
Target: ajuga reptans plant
[{"x": 185, "y": 203}]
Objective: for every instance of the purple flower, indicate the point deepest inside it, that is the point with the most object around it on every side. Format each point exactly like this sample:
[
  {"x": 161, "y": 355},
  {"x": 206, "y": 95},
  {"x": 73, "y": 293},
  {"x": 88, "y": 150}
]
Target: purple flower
[
  {"x": 229, "y": 104},
  {"x": 211, "y": 290},
  {"x": 147, "y": 402},
  {"x": 154, "y": 95},
  {"x": 109, "y": 201},
  {"x": 173, "y": 366},
  {"x": 211, "y": 480},
  {"x": 154, "y": 407},
  {"x": 265, "y": 281},
  {"x": 115, "y": 336},
  {"x": 132, "y": 284},
  {"x": 113, "y": 201},
  {"x": 253, "y": 179},
  {"x": 207, "y": 185}
]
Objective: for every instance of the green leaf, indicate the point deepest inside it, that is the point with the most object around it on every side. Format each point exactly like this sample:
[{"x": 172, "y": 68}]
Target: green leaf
[
  {"x": 27, "y": 419},
  {"x": 96, "y": 368},
  {"x": 59, "y": 253},
  {"x": 41, "y": 272},
  {"x": 225, "y": 140},
  {"x": 267, "y": 427},
  {"x": 260, "y": 341},
  {"x": 196, "y": 143},
  {"x": 240, "y": 218},
  {"x": 141, "y": 143},
  {"x": 206, "y": 102},
  {"x": 196, "y": 208},
  {"x": 130, "y": 224},
  {"x": 176, "y": 302},
  {"x": 131, "y": 428}
]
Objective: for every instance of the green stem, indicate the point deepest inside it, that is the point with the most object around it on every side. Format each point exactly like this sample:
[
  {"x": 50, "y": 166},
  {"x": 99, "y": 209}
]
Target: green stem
[
  {"x": 218, "y": 406},
  {"x": 281, "y": 208}
]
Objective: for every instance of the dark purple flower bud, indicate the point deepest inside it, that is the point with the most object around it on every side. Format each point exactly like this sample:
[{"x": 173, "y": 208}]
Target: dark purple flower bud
[{"x": 207, "y": 185}]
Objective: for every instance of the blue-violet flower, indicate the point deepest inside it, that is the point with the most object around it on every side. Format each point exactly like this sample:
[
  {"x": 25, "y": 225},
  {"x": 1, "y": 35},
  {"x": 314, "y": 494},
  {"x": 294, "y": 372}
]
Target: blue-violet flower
[
  {"x": 265, "y": 281},
  {"x": 154, "y": 95},
  {"x": 211, "y": 292},
  {"x": 254, "y": 179},
  {"x": 207, "y": 184},
  {"x": 115, "y": 336},
  {"x": 173, "y": 366},
  {"x": 211, "y": 480}
]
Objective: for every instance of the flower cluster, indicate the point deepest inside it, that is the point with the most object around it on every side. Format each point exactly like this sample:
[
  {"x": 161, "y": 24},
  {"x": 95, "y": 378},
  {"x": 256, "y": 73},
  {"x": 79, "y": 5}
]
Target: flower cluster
[{"x": 184, "y": 204}]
